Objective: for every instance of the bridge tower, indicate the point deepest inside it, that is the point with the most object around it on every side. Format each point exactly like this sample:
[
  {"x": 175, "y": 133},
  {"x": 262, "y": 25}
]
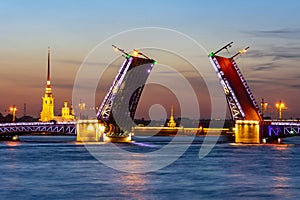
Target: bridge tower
[
  {"x": 47, "y": 112},
  {"x": 242, "y": 104}
]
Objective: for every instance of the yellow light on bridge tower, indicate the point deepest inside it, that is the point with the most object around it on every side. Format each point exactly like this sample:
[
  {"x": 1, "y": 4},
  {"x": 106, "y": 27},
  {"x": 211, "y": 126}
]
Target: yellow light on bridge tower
[
  {"x": 243, "y": 51},
  {"x": 135, "y": 53},
  {"x": 240, "y": 52}
]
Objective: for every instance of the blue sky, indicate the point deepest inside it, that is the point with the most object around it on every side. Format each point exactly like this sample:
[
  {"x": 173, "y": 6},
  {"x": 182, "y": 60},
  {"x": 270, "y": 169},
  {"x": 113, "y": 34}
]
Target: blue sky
[{"x": 74, "y": 28}]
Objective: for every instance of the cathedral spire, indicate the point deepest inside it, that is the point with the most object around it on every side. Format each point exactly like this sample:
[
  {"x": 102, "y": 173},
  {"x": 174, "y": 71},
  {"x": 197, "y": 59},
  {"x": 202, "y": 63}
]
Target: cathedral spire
[
  {"x": 47, "y": 113},
  {"x": 48, "y": 75},
  {"x": 48, "y": 87},
  {"x": 172, "y": 122}
]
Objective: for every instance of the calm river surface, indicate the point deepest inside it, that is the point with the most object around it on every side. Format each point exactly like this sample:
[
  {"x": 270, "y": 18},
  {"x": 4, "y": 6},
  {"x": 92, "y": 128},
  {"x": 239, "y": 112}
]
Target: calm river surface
[{"x": 53, "y": 167}]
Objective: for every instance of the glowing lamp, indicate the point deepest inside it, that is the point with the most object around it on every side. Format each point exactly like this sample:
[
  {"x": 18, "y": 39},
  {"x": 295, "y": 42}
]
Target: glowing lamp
[
  {"x": 135, "y": 53},
  {"x": 243, "y": 51}
]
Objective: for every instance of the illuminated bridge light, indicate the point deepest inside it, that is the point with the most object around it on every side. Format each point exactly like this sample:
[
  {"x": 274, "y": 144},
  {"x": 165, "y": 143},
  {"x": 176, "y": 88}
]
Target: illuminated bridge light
[
  {"x": 211, "y": 54},
  {"x": 242, "y": 51},
  {"x": 247, "y": 122},
  {"x": 135, "y": 53},
  {"x": 154, "y": 62}
]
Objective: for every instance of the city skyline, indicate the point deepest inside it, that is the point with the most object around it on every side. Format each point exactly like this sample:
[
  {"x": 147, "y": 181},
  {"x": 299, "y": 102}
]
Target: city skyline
[{"x": 73, "y": 30}]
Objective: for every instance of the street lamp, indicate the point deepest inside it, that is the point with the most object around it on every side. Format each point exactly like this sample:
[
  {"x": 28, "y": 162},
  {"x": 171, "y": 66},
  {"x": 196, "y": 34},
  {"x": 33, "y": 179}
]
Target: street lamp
[
  {"x": 280, "y": 106},
  {"x": 264, "y": 106},
  {"x": 13, "y": 111},
  {"x": 81, "y": 106}
]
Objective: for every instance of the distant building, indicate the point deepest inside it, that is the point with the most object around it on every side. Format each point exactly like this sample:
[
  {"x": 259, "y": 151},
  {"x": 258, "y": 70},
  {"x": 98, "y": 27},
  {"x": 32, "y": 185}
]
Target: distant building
[
  {"x": 67, "y": 113},
  {"x": 47, "y": 113}
]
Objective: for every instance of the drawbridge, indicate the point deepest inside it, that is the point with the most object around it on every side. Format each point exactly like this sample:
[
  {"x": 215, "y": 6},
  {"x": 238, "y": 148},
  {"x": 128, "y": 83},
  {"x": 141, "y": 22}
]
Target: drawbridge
[
  {"x": 250, "y": 125},
  {"x": 118, "y": 108}
]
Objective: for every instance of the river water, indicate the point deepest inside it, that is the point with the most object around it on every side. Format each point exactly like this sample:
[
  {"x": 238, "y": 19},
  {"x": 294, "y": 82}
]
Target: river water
[{"x": 56, "y": 167}]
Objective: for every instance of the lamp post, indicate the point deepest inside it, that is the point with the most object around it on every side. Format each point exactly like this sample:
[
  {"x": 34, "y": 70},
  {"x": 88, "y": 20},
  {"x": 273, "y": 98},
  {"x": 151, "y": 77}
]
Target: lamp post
[
  {"x": 264, "y": 106},
  {"x": 13, "y": 111},
  {"x": 81, "y": 107},
  {"x": 280, "y": 106}
]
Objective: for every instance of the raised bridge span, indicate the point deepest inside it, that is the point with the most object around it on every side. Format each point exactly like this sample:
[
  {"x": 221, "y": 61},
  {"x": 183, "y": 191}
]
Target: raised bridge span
[{"x": 250, "y": 125}]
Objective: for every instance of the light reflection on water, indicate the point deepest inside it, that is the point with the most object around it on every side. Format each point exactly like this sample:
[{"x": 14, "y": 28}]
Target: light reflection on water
[
  {"x": 61, "y": 168},
  {"x": 133, "y": 185}
]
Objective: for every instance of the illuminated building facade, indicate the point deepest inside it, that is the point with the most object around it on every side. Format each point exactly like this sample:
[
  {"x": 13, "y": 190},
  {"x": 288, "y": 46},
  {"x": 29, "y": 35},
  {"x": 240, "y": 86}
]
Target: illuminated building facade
[{"x": 67, "y": 113}]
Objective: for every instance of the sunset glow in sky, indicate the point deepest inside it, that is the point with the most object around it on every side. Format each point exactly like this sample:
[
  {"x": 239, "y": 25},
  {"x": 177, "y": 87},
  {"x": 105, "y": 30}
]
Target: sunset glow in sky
[{"x": 73, "y": 28}]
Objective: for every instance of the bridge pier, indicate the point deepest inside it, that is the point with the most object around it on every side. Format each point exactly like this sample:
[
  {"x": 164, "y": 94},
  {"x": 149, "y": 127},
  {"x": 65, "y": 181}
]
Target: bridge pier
[
  {"x": 248, "y": 132},
  {"x": 89, "y": 131},
  {"x": 93, "y": 131}
]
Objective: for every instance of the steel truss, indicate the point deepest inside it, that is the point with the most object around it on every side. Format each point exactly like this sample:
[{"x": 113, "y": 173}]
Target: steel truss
[
  {"x": 106, "y": 106},
  {"x": 283, "y": 129},
  {"x": 38, "y": 127}
]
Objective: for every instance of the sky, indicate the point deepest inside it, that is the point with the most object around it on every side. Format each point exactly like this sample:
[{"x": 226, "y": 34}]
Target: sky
[{"x": 74, "y": 28}]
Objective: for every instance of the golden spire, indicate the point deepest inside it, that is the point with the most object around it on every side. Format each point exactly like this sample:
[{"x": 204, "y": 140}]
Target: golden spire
[
  {"x": 48, "y": 86},
  {"x": 47, "y": 112},
  {"x": 172, "y": 122},
  {"x": 48, "y": 75}
]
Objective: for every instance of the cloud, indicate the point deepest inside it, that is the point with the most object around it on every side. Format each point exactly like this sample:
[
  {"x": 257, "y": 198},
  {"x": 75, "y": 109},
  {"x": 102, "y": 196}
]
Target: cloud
[
  {"x": 77, "y": 62},
  {"x": 265, "y": 67},
  {"x": 259, "y": 81},
  {"x": 286, "y": 82},
  {"x": 288, "y": 33},
  {"x": 296, "y": 86},
  {"x": 286, "y": 53},
  {"x": 274, "y": 53}
]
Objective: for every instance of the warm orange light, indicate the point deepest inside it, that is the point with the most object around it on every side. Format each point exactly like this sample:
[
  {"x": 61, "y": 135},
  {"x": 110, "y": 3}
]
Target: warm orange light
[
  {"x": 242, "y": 51},
  {"x": 135, "y": 53},
  {"x": 264, "y": 105},
  {"x": 280, "y": 106},
  {"x": 13, "y": 109}
]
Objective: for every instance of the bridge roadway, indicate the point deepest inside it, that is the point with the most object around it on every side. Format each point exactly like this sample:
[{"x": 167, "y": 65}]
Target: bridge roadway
[{"x": 20, "y": 128}]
